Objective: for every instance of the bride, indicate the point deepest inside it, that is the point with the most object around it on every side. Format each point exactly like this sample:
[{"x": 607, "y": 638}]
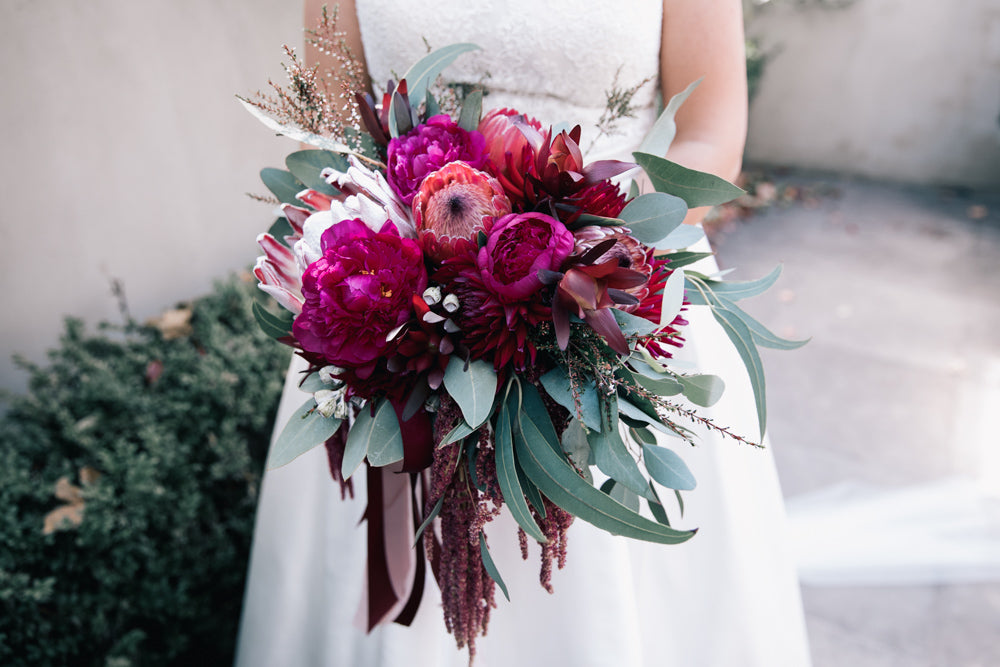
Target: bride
[{"x": 729, "y": 596}]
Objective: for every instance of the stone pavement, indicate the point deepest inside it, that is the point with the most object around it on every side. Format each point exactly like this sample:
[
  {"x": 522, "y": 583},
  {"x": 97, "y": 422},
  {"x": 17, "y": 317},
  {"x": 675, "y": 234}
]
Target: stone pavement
[{"x": 896, "y": 397}]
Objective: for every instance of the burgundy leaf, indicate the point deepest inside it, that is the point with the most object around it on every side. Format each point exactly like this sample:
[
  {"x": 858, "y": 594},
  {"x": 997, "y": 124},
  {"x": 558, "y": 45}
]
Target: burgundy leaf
[{"x": 603, "y": 322}]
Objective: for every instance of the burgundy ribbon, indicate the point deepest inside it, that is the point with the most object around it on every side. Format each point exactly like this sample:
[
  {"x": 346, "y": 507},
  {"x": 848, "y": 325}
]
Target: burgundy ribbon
[
  {"x": 409, "y": 611},
  {"x": 418, "y": 438},
  {"x": 381, "y": 597}
]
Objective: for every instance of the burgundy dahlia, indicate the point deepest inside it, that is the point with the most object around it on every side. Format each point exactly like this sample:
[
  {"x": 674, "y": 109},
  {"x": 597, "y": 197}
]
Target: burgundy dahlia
[
  {"x": 428, "y": 147},
  {"x": 357, "y": 292}
]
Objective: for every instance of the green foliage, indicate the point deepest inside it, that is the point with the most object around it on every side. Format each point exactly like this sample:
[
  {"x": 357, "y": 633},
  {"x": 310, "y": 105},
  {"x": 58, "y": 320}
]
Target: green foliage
[{"x": 176, "y": 430}]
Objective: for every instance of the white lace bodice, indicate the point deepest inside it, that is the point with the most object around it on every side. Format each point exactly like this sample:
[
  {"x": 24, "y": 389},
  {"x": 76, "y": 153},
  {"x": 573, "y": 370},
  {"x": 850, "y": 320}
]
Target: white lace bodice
[{"x": 554, "y": 74}]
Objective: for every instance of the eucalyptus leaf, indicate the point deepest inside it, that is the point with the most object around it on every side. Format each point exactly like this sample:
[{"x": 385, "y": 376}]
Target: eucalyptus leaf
[
  {"x": 275, "y": 326},
  {"x": 461, "y": 430},
  {"x": 673, "y": 297},
  {"x": 742, "y": 339},
  {"x": 658, "y": 512},
  {"x": 652, "y": 217},
  {"x": 308, "y": 165},
  {"x": 761, "y": 334},
  {"x": 279, "y": 229},
  {"x": 472, "y": 109},
  {"x": 356, "y": 447},
  {"x": 633, "y": 189},
  {"x": 366, "y": 145},
  {"x": 282, "y": 185},
  {"x": 312, "y": 383},
  {"x": 633, "y": 325},
  {"x": 306, "y": 429},
  {"x": 703, "y": 390},
  {"x": 507, "y": 478},
  {"x": 642, "y": 435},
  {"x": 661, "y": 135},
  {"x": 684, "y": 236},
  {"x": 648, "y": 416},
  {"x": 646, "y": 365},
  {"x": 385, "y": 440},
  {"x": 685, "y": 258},
  {"x": 663, "y": 386},
  {"x": 427, "y": 521},
  {"x": 735, "y": 290},
  {"x": 697, "y": 188},
  {"x": 491, "y": 568},
  {"x": 423, "y": 72},
  {"x": 557, "y": 386},
  {"x": 610, "y": 453},
  {"x": 543, "y": 463},
  {"x": 574, "y": 443},
  {"x": 625, "y": 496},
  {"x": 531, "y": 491},
  {"x": 667, "y": 468},
  {"x": 473, "y": 389}
]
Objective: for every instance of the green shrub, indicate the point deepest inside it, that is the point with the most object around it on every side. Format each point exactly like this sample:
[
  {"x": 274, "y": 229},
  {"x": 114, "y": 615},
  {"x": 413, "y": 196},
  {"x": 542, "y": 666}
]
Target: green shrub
[{"x": 174, "y": 432}]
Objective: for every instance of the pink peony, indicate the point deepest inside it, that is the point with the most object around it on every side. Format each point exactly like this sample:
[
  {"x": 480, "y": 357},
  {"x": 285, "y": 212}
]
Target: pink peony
[
  {"x": 456, "y": 202},
  {"x": 358, "y": 291},
  {"x": 427, "y": 148},
  {"x": 517, "y": 248}
]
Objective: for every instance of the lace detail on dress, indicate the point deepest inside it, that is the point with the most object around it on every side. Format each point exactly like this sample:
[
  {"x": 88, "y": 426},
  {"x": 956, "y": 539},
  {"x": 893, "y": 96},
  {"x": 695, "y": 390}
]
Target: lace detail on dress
[{"x": 556, "y": 75}]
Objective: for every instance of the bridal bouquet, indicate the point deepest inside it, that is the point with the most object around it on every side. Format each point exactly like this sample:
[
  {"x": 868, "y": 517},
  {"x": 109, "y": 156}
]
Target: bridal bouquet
[{"x": 486, "y": 317}]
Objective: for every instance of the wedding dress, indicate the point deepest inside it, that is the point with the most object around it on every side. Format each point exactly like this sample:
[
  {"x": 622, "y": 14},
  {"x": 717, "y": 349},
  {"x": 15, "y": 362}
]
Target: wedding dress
[{"x": 728, "y": 597}]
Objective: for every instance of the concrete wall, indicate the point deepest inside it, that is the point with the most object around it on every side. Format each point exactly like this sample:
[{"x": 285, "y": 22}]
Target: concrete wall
[
  {"x": 125, "y": 155},
  {"x": 907, "y": 90}
]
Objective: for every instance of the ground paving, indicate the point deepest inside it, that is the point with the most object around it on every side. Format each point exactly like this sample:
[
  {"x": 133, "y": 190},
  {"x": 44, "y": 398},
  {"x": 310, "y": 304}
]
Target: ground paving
[{"x": 899, "y": 288}]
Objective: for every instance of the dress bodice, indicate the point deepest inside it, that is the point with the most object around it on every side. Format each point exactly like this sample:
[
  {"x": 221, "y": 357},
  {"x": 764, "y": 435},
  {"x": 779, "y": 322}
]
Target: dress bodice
[{"x": 555, "y": 70}]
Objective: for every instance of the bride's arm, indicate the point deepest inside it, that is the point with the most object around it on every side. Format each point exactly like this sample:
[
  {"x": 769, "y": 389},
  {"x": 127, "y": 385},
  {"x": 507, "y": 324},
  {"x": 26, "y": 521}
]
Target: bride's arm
[
  {"x": 347, "y": 23},
  {"x": 704, "y": 38}
]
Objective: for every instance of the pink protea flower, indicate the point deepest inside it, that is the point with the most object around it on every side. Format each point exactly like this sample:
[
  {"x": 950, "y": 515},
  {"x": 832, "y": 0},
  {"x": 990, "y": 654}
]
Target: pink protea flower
[
  {"x": 357, "y": 292},
  {"x": 428, "y": 147},
  {"x": 455, "y": 202},
  {"x": 366, "y": 194},
  {"x": 278, "y": 273},
  {"x": 513, "y": 140}
]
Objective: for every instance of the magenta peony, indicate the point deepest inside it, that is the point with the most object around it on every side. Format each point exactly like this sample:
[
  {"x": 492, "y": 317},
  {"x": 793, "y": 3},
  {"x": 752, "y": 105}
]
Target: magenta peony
[
  {"x": 456, "y": 202},
  {"x": 357, "y": 292},
  {"x": 428, "y": 147},
  {"x": 519, "y": 246}
]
